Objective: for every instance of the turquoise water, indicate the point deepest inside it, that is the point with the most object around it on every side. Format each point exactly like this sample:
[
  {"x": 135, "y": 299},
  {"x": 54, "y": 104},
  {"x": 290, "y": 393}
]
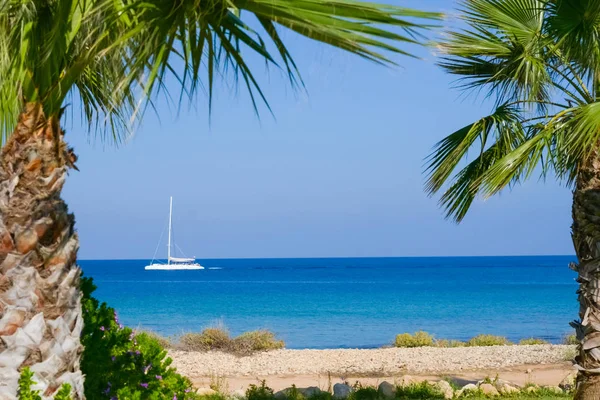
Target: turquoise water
[{"x": 348, "y": 302}]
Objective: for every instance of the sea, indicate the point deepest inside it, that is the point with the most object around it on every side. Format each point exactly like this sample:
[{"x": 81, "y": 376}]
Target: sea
[{"x": 347, "y": 302}]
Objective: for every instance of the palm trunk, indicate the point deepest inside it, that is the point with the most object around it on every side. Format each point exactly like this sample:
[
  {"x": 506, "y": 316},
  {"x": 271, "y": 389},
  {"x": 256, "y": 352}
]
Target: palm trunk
[{"x": 40, "y": 302}]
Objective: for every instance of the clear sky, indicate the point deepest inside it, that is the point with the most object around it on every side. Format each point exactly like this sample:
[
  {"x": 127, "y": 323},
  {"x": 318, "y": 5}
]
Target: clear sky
[{"x": 337, "y": 173}]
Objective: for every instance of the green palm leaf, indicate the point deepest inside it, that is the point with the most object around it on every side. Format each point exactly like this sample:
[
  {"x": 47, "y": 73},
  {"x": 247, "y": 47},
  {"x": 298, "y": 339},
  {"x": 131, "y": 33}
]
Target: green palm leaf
[
  {"x": 539, "y": 60},
  {"x": 114, "y": 56}
]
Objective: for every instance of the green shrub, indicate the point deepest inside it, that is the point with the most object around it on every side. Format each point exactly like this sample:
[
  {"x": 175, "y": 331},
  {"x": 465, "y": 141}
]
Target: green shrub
[
  {"x": 262, "y": 392},
  {"x": 571, "y": 339},
  {"x": 532, "y": 341},
  {"x": 488, "y": 340},
  {"x": 251, "y": 342},
  {"x": 25, "y": 383},
  {"x": 418, "y": 339},
  {"x": 219, "y": 339},
  {"x": 24, "y": 392},
  {"x": 365, "y": 393},
  {"x": 163, "y": 341},
  {"x": 449, "y": 343},
  {"x": 118, "y": 363},
  {"x": 422, "y": 390},
  {"x": 208, "y": 339},
  {"x": 293, "y": 393},
  {"x": 321, "y": 396}
]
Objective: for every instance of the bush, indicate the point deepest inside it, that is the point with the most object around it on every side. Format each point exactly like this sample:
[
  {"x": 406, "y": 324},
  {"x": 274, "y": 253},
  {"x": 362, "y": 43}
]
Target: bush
[
  {"x": 365, "y": 393},
  {"x": 571, "y": 339},
  {"x": 532, "y": 341},
  {"x": 423, "y": 390},
  {"x": 119, "y": 363},
  {"x": 488, "y": 340},
  {"x": 208, "y": 339},
  {"x": 251, "y": 342},
  {"x": 163, "y": 341},
  {"x": 24, "y": 392},
  {"x": 449, "y": 343},
  {"x": 418, "y": 339},
  {"x": 219, "y": 339},
  {"x": 262, "y": 392}
]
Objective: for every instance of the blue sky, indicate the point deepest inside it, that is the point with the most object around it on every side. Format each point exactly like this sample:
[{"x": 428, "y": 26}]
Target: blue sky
[{"x": 337, "y": 172}]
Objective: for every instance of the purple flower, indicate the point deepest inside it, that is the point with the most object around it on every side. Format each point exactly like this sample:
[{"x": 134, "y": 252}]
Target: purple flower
[
  {"x": 113, "y": 358},
  {"x": 102, "y": 328},
  {"x": 158, "y": 377},
  {"x": 120, "y": 326},
  {"x": 174, "y": 397},
  {"x": 114, "y": 398},
  {"x": 137, "y": 352},
  {"x": 144, "y": 385},
  {"x": 188, "y": 390},
  {"x": 116, "y": 318}
]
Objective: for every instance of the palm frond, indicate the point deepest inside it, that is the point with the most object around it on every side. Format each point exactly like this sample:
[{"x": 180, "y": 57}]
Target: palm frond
[
  {"x": 114, "y": 57},
  {"x": 502, "y": 50},
  {"x": 501, "y": 126}
]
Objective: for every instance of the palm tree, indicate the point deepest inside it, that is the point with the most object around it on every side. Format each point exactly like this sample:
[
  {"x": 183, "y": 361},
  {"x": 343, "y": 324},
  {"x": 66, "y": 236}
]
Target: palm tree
[
  {"x": 112, "y": 57},
  {"x": 540, "y": 60}
]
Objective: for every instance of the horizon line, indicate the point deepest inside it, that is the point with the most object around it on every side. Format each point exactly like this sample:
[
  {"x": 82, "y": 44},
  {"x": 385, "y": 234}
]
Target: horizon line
[{"x": 335, "y": 257}]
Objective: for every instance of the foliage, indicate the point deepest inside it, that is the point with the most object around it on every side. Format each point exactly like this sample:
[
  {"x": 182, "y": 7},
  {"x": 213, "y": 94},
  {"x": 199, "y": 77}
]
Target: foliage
[
  {"x": 418, "y": 339},
  {"x": 254, "y": 341},
  {"x": 208, "y": 339},
  {"x": 218, "y": 339},
  {"x": 488, "y": 340},
  {"x": 422, "y": 390},
  {"x": 364, "y": 393},
  {"x": 64, "y": 393},
  {"x": 571, "y": 339},
  {"x": 164, "y": 342},
  {"x": 449, "y": 343},
  {"x": 112, "y": 55},
  {"x": 532, "y": 341},
  {"x": 292, "y": 393},
  {"x": 119, "y": 363},
  {"x": 539, "y": 60},
  {"x": 262, "y": 392},
  {"x": 26, "y": 393},
  {"x": 25, "y": 383}
]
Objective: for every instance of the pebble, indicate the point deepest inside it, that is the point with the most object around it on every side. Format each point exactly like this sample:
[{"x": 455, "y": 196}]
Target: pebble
[{"x": 344, "y": 362}]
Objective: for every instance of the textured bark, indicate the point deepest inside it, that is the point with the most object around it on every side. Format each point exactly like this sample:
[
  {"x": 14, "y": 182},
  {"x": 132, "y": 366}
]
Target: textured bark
[{"x": 40, "y": 302}]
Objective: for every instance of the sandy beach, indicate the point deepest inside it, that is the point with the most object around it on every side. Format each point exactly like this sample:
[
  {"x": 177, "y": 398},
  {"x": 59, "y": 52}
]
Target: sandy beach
[{"x": 540, "y": 364}]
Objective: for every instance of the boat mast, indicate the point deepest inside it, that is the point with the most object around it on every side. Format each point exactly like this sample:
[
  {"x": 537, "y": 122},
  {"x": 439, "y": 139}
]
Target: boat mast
[{"x": 169, "y": 243}]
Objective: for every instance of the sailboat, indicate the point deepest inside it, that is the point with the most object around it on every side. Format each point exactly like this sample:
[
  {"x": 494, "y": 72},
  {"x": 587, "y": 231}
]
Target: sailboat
[{"x": 174, "y": 263}]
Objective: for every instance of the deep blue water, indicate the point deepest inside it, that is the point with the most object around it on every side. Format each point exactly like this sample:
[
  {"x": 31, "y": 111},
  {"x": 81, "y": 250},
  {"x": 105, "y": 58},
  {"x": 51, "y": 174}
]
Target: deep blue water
[{"x": 348, "y": 302}]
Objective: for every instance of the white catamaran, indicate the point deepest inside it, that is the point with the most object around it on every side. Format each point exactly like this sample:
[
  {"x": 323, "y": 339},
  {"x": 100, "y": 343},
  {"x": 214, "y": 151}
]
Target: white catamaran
[{"x": 174, "y": 263}]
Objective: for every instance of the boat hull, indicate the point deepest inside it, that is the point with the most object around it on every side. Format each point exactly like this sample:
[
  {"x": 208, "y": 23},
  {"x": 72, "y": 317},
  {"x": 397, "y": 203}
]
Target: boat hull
[{"x": 173, "y": 267}]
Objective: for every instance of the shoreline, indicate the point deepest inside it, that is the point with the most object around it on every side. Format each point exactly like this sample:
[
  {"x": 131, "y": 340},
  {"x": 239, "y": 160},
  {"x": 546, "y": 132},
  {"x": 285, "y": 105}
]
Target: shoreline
[{"x": 368, "y": 362}]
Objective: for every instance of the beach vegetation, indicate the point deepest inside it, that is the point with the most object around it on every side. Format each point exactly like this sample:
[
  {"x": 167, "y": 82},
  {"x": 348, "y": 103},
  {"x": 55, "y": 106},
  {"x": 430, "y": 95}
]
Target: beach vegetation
[
  {"x": 488, "y": 340},
  {"x": 571, "y": 340},
  {"x": 421, "y": 390},
  {"x": 113, "y": 59},
  {"x": 218, "y": 339},
  {"x": 365, "y": 393},
  {"x": 256, "y": 341},
  {"x": 449, "y": 343},
  {"x": 208, "y": 339},
  {"x": 532, "y": 341},
  {"x": 539, "y": 63},
  {"x": 259, "y": 392},
  {"x": 165, "y": 342},
  {"x": 417, "y": 339},
  {"x": 119, "y": 363}
]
